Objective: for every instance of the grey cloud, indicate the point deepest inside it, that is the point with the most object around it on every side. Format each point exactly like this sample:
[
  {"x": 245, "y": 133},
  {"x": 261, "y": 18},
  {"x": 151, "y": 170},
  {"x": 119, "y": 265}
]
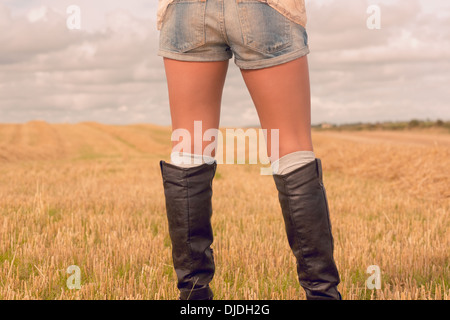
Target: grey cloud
[
  {"x": 52, "y": 73},
  {"x": 395, "y": 73}
]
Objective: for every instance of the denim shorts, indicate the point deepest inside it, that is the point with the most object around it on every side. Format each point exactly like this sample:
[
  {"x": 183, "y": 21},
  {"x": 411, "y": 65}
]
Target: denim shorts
[{"x": 213, "y": 30}]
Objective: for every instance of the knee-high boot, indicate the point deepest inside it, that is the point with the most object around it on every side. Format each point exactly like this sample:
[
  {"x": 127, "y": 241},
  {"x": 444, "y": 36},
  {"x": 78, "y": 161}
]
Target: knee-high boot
[
  {"x": 188, "y": 193},
  {"x": 305, "y": 211}
]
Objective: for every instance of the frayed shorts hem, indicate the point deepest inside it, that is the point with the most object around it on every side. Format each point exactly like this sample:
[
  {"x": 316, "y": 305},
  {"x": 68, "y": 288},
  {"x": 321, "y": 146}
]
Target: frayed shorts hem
[
  {"x": 246, "y": 65},
  {"x": 271, "y": 62},
  {"x": 192, "y": 57}
]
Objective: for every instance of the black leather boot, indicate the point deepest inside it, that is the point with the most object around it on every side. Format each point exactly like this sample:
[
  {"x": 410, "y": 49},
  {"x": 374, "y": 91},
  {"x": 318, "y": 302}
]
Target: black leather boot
[
  {"x": 306, "y": 216},
  {"x": 188, "y": 193}
]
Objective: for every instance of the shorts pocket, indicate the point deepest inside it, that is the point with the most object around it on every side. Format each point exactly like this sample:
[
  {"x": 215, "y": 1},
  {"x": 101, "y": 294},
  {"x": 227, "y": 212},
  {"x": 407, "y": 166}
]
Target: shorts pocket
[
  {"x": 263, "y": 28},
  {"x": 183, "y": 26}
]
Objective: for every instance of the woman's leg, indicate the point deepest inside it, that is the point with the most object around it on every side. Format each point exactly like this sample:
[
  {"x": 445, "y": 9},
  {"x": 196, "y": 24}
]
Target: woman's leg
[
  {"x": 281, "y": 95},
  {"x": 282, "y": 98},
  {"x": 195, "y": 92}
]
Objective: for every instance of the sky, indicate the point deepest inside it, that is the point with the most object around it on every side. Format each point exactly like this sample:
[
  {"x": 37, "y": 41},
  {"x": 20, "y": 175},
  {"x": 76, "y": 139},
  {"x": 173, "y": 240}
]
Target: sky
[{"x": 109, "y": 72}]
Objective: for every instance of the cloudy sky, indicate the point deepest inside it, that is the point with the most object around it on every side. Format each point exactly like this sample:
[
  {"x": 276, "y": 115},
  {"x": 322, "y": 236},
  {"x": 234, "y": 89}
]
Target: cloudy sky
[{"x": 109, "y": 71}]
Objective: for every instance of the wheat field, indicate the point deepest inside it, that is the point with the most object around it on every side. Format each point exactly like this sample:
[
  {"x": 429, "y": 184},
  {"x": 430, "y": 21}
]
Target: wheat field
[{"x": 90, "y": 195}]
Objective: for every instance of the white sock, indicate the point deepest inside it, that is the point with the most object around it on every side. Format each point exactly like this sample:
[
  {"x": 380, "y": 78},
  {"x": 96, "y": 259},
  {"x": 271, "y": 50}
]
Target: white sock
[
  {"x": 189, "y": 160},
  {"x": 292, "y": 161}
]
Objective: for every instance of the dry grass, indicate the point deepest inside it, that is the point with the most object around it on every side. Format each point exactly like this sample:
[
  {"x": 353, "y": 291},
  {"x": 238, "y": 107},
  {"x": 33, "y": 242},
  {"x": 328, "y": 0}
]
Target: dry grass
[{"x": 91, "y": 195}]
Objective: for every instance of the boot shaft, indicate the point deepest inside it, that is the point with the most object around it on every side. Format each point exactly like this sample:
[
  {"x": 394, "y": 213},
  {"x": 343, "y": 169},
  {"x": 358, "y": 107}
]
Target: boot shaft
[
  {"x": 304, "y": 205},
  {"x": 188, "y": 198}
]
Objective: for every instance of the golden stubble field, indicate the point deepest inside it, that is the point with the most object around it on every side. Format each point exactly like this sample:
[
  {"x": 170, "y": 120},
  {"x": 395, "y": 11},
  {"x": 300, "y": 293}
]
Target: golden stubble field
[{"x": 91, "y": 195}]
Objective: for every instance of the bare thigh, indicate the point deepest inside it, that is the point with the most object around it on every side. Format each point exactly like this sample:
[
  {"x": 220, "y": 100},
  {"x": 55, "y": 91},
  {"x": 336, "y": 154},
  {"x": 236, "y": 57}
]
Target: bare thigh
[
  {"x": 195, "y": 94},
  {"x": 281, "y": 95}
]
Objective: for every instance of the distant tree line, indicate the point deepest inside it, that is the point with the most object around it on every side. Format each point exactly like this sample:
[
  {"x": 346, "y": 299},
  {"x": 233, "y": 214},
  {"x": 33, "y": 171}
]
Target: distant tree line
[{"x": 386, "y": 125}]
